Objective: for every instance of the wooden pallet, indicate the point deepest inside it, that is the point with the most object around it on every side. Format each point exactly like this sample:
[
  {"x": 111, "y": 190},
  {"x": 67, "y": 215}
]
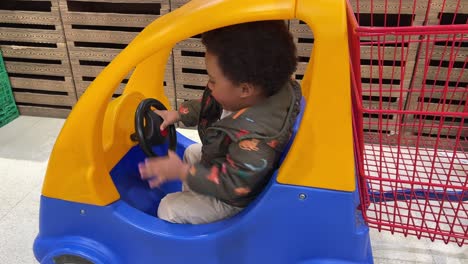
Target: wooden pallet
[
  {"x": 390, "y": 101},
  {"x": 446, "y": 12},
  {"x": 33, "y": 43},
  {"x": 177, "y": 3},
  {"x": 442, "y": 124},
  {"x": 440, "y": 87},
  {"x": 192, "y": 44},
  {"x": 98, "y": 30},
  {"x": 442, "y": 58},
  {"x": 386, "y": 74},
  {"x": 190, "y": 73},
  {"x": 304, "y": 40},
  {"x": 382, "y": 13}
]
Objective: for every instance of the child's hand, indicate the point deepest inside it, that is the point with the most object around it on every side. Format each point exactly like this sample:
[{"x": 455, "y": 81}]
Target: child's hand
[
  {"x": 161, "y": 169},
  {"x": 169, "y": 117}
]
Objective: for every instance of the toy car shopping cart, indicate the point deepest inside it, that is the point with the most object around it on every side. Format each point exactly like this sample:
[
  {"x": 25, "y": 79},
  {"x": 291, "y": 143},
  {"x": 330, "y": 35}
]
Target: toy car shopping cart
[{"x": 382, "y": 147}]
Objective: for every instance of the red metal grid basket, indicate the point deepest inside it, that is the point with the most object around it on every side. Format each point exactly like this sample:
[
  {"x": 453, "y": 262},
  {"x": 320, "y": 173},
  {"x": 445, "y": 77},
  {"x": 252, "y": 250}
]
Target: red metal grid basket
[{"x": 410, "y": 103}]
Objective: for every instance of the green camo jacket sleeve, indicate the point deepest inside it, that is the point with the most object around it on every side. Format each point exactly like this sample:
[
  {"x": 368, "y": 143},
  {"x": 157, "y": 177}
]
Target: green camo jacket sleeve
[
  {"x": 244, "y": 171},
  {"x": 189, "y": 112}
]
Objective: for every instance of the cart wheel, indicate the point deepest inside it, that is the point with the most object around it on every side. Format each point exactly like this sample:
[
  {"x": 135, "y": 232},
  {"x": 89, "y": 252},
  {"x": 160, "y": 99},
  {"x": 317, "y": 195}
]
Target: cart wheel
[{"x": 71, "y": 259}]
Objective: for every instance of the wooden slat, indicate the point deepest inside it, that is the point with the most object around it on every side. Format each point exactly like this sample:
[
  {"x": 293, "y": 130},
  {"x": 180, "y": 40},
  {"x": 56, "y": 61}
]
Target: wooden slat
[
  {"x": 433, "y": 107},
  {"x": 94, "y": 71},
  {"x": 47, "y": 99},
  {"x": 43, "y": 111},
  {"x": 390, "y": 53},
  {"x": 390, "y": 6},
  {"x": 189, "y": 62},
  {"x": 449, "y": 53},
  {"x": 390, "y": 126},
  {"x": 390, "y": 100},
  {"x": 178, "y": 3},
  {"x": 190, "y": 44},
  {"x": 446, "y": 6},
  {"x": 300, "y": 71},
  {"x": 299, "y": 29},
  {"x": 44, "y": 85},
  {"x": 105, "y": 36},
  {"x": 100, "y": 19},
  {"x": 30, "y": 17},
  {"x": 453, "y": 47},
  {"x": 188, "y": 94},
  {"x": 304, "y": 49},
  {"x": 440, "y": 74},
  {"x": 418, "y": 126},
  {"x": 91, "y": 71},
  {"x": 191, "y": 79},
  {"x": 59, "y": 53},
  {"x": 38, "y": 68},
  {"x": 95, "y": 54},
  {"x": 31, "y": 35},
  {"x": 388, "y": 72},
  {"x": 164, "y": 3}
]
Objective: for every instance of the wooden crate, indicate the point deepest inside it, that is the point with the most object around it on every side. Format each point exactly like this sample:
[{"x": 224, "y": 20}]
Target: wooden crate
[
  {"x": 447, "y": 12},
  {"x": 33, "y": 43},
  {"x": 192, "y": 44},
  {"x": 174, "y": 4},
  {"x": 388, "y": 13},
  {"x": 440, "y": 86},
  {"x": 92, "y": 62},
  {"x": 442, "y": 58},
  {"x": 437, "y": 116},
  {"x": 390, "y": 102},
  {"x": 98, "y": 30},
  {"x": 190, "y": 73},
  {"x": 386, "y": 71},
  {"x": 304, "y": 40}
]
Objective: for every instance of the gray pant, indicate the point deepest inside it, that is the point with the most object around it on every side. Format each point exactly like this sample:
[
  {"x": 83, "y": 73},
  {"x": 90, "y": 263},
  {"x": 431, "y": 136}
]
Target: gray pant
[{"x": 189, "y": 207}]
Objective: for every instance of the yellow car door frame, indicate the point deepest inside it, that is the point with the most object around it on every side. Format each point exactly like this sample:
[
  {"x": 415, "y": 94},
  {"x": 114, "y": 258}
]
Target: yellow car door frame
[{"x": 96, "y": 134}]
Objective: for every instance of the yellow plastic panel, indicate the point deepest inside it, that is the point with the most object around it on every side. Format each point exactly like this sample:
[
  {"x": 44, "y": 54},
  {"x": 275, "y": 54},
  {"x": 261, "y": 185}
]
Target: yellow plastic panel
[
  {"x": 118, "y": 126},
  {"x": 322, "y": 153},
  {"x": 146, "y": 81},
  {"x": 78, "y": 168}
]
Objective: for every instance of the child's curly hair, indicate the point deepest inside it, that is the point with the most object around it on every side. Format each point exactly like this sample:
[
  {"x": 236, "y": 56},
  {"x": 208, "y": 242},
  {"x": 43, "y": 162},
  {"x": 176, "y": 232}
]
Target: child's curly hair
[{"x": 262, "y": 53}]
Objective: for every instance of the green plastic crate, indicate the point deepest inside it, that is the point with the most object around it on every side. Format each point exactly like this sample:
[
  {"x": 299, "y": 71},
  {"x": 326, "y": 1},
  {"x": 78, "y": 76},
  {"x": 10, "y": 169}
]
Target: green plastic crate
[{"x": 8, "y": 109}]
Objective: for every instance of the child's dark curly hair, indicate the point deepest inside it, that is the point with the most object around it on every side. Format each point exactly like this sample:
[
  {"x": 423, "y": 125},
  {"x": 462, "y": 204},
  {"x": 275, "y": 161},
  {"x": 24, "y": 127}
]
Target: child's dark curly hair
[{"x": 262, "y": 53}]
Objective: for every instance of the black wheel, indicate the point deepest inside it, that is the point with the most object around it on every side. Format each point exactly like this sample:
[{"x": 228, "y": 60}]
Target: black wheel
[{"x": 147, "y": 127}]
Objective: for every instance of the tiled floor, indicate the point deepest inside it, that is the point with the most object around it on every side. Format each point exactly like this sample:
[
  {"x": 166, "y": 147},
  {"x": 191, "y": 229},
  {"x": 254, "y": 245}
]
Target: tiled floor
[{"x": 25, "y": 145}]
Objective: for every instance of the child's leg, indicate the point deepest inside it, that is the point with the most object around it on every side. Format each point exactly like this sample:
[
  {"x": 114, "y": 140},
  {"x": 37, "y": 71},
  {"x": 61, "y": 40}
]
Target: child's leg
[
  {"x": 192, "y": 208},
  {"x": 188, "y": 207},
  {"x": 192, "y": 155}
]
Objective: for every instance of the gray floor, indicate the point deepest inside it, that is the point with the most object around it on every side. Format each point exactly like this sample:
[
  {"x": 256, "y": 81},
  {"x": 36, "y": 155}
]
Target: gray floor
[{"x": 25, "y": 145}]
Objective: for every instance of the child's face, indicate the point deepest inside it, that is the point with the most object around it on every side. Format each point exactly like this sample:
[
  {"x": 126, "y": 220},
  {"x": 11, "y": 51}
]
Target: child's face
[{"x": 222, "y": 89}]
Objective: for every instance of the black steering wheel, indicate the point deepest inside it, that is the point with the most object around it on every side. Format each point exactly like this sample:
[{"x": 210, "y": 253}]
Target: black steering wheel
[{"x": 147, "y": 128}]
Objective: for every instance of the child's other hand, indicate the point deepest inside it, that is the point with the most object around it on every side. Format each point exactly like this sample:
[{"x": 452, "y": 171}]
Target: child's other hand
[
  {"x": 169, "y": 117},
  {"x": 161, "y": 169}
]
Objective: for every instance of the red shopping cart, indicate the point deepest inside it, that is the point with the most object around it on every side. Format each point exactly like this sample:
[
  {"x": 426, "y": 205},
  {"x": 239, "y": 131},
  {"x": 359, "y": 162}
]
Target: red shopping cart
[{"x": 410, "y": 103}]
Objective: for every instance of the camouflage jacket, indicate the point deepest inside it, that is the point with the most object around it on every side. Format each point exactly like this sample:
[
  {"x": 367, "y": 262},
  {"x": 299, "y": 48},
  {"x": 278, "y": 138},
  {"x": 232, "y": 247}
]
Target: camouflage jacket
[{"x": 241, "y": 151}]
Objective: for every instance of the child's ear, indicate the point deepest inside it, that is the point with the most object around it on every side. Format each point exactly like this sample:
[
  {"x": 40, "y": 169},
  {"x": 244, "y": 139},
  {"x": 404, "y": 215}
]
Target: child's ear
[{"x": 247, "y": 90}]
